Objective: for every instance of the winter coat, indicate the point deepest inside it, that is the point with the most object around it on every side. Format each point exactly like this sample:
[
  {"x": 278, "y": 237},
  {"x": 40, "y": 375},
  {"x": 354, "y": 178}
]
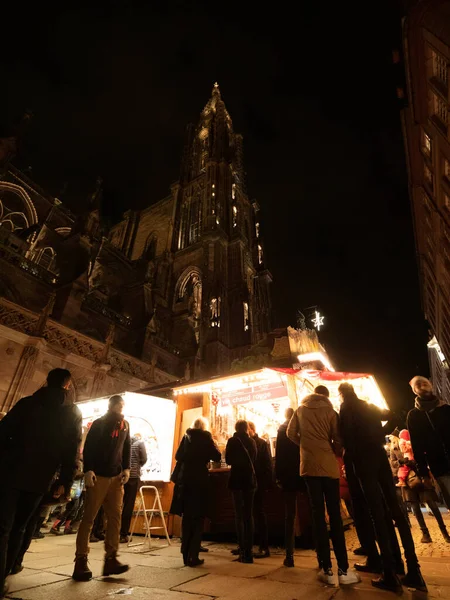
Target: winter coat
[
  {"x": 361, "y": 430},
  {"x": 40, "y": 435},
  {"x": 287, "y": 462},
  {"x": 240, "y": 454},
  {"x": 263, "y": 464},
  {"x": 430, "y": 438},
  {"x": 196, "y": 450},
  {"x": 315, "y": 427},
  {"x": 138, "y": 457},
  {"x": 107, "y": 447}
]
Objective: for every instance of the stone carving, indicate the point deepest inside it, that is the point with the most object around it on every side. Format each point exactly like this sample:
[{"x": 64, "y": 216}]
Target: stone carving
[
  {"x": 70, "y": 341},
  {"x": 127, "y": 364},
  {"x": 17, "y": 318}
]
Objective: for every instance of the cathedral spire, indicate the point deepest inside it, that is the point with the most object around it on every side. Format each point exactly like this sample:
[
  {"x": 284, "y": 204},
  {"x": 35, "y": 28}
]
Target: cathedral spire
[{"x": 215, "y": 90}]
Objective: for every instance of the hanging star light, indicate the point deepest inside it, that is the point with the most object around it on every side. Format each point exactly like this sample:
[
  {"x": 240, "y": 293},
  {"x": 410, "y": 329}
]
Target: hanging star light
[{"x": 318, "y": 320}]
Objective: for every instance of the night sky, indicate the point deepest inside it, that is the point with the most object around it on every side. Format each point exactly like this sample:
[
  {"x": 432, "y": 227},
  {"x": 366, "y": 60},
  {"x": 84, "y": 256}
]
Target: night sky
[{"x": 314, "y": 94}]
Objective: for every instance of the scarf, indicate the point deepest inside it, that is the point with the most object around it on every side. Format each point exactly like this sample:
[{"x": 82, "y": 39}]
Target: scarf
[
  {"x": 117, "y": 422},
  {"x": 428, "y": 403}
]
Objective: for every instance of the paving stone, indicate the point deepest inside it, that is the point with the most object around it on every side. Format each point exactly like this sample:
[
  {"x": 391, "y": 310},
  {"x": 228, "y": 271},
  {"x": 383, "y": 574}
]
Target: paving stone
[
  {"x": 70, "y": 590},
  {"x": 28, "y": 579},
  {"x": 240, "y": 588},
  {"x": 155, "y": 577}
]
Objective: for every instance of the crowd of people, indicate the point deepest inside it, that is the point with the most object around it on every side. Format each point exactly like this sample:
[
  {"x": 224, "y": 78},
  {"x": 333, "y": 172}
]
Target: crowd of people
[{"x": 333, "y": 456}]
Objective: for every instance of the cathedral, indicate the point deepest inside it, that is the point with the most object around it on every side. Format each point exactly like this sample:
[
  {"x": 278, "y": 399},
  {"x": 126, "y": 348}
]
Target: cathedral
[{"x": 177, "y": 290}]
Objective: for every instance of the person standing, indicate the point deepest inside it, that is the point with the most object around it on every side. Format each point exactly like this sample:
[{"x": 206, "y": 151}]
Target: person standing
[
  {"x": 264, "y": 480},
  {"x": 314, "y": 427},
  {"x": 131, "y": 488},
  {"x": 363, "y": 439},
  {"x": 287, "y": 474},
  {"x": 240, "y": 454},
  {"x": 190, "y": 500},
  {"x": 429, "y": 425},
  {"x": 40, "y": 435},
  {"x": 416, "y": 493},
  {"x": 106, "y": 458}
]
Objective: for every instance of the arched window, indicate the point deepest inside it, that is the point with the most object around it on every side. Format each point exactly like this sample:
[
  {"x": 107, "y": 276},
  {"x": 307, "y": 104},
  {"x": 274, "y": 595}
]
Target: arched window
[
  {"x": 46, "y": 258},
  {"x": 150, "y": 248}
]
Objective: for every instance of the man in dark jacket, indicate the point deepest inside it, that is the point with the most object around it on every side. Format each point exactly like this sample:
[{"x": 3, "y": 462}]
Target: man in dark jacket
[
  {"x": 363, "y": 439},
  {"x": 106, "y": 458},
  {"x": 429, "y": 429},
  {"x": 240, "y": 454},
  {"x": 264, "y": 480},
  {"x": 287, "y": 474},
  {"x": 138, "y": 460},
  {"x": 40, "y": 435}
]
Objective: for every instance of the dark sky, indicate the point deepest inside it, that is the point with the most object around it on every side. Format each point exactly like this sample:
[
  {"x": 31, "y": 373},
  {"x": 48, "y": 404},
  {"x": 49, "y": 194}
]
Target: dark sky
[{"x": 313, "y": 93}]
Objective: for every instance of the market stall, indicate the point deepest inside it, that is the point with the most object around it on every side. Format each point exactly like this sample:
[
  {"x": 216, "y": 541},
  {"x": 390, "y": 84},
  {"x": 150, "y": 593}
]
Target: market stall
[
  {"x": 262, "y": 397},
  {"x": 154, "y": 419}
]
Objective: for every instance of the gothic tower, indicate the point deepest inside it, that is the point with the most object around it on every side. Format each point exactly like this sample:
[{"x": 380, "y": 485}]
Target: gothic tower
[{"x": 221, "y": 289}]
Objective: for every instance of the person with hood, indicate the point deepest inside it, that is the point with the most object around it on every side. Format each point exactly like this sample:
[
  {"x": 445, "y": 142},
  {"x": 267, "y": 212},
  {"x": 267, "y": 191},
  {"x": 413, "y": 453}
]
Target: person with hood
[
  {"x": 429, "y": 425},
  {"x": 240, "y": 454},
  {"x": 315, "y": 428},
  {"x": 131, "y": 488},
  {"x": 264, "y": 480},
  {"x": 287, "y": 475},
  {"x": 40, "y": 435},
  {"x": 106, "y": 458},
  {"x": 190, "y": 500},
  {"x": 363, "y": 437}
]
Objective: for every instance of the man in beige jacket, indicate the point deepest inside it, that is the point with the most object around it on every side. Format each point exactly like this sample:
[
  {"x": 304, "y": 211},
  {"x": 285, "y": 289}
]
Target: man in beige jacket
[{"x": 315, "y": 428}]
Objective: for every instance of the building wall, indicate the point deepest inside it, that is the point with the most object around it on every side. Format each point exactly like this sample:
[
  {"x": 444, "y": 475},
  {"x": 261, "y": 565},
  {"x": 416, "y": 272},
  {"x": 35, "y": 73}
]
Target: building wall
[{"x": 426, "y": 127}]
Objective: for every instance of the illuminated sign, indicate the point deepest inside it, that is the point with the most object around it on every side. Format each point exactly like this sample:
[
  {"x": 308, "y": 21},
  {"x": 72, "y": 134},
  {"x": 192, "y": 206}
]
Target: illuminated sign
[{"x": 255, "y": 393}]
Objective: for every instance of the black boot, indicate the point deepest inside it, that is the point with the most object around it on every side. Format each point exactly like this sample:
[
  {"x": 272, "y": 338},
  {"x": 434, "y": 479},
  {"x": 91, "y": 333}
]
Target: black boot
[
  {"x": 81, "y": 571},
  {"x": 247, "y": 557},
  {"x": 426, "y": 537},
  {"x": 263, "y": 553},
  {"x": 370, "y": 566},
  {"x": 113, "y": 567},
  {"x": 389, "y": 582},
  {"x": 289, "y": 560},
  {"x": 413, "y": 579}
]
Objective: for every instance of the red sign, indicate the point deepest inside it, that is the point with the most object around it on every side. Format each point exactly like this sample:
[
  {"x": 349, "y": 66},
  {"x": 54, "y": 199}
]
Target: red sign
[{"x": 254, "y": 393}]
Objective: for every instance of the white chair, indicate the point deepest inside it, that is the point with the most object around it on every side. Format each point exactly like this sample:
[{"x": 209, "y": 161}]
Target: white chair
[{"x": 148, "y": 514}]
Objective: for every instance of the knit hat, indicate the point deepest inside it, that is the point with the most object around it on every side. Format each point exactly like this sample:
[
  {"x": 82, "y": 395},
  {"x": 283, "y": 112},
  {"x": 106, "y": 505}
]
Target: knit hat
[
  {"x": 404, "y": 435},
  {"x": 416, "y": 379}
]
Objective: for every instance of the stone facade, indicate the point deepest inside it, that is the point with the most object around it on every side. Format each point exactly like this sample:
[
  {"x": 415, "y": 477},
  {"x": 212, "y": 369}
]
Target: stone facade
[
  {"x": 177, "y": 289},
  {"x": 427, "y": 138}
]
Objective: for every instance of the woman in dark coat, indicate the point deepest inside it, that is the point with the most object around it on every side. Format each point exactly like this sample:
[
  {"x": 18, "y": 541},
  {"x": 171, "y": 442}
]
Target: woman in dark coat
[
  {"x": 190, "y": 498},
  {"x": 240, "y": 454}
]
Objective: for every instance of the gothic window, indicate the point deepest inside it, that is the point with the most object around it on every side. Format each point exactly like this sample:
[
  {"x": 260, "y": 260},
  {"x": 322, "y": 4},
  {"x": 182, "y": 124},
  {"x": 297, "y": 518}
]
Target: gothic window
[
  {"x": 194, "y": 225},
  {"x": 246, "y": 317},
  {"x": 17, "y": 211},
  {"x": 190, "y": 223},
  {"x": 150, "y": 248},
  {"x": 235, "y": 213},
  {"x": 233, "y": 191},
  {"x": 257, "y": 229},
  {"x": 260, "y": 254},
  {"x": 214, "y": 309},
  {"x": 46, "y": 258}
]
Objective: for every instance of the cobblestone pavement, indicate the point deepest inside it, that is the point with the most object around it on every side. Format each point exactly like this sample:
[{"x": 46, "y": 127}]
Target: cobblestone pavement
[{"x": 159, "y": 574}]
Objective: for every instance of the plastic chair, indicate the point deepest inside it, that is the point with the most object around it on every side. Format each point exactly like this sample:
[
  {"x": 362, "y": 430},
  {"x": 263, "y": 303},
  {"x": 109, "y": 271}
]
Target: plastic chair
[{"x": 148, "y": 514}]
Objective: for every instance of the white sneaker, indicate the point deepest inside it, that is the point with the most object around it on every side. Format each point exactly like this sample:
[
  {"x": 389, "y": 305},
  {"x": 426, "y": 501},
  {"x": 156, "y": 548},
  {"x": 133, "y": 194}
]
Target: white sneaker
[
  {"x": 348, "y": 578},
  {"x": 327, "y": 577}
]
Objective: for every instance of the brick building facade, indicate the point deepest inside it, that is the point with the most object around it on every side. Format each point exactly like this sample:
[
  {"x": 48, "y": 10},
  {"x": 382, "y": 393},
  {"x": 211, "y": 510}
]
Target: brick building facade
[
  {"x": 177, "y": 289},
  {"x": 426, "y": 38}
]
